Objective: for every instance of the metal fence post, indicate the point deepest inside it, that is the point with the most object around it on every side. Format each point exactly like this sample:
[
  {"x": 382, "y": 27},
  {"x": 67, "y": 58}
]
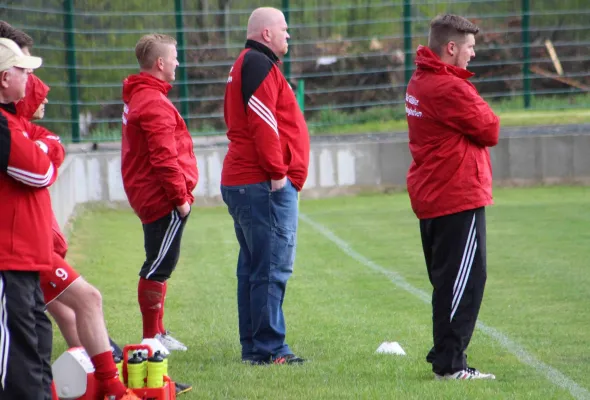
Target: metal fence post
[
  {"x": 287, "y": 59},
  {"x": 408, "y": 51},
  {"x": 184, "y": 109},
  {"x": 71, "y": 62},
  {"x": 300, "y": 94},
  {"x": 526, "y": 53}
]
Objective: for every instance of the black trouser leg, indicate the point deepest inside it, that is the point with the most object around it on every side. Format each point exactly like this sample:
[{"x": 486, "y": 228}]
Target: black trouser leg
[
  {"x": 162, "y": 240},
  {"x": 455, "y": 253},
  {"x": 25, "y": 338}
]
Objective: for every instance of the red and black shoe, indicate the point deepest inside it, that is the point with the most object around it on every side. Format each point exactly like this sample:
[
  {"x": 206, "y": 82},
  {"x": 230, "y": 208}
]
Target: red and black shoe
[{"x": 288, "y": 359}]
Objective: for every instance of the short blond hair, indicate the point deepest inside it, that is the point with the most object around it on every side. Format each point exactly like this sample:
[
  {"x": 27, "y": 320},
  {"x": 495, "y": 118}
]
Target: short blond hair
[{"x": 148, "y": 48}]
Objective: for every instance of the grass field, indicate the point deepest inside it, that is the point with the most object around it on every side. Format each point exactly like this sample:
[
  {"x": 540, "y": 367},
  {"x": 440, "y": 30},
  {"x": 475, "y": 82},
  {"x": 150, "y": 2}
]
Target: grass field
[{"x": 360, "y": 280}]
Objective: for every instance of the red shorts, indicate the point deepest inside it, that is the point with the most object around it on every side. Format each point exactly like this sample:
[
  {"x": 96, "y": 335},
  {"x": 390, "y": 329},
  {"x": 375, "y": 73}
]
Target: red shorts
[{"x": 56, "y": 281}]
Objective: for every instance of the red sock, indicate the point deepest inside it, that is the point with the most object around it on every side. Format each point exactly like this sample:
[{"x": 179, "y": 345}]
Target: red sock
[
  {"x": 107, "y": 375},
  {"x": 149, "y": 296},
  {"x": 161, "y": 316}
]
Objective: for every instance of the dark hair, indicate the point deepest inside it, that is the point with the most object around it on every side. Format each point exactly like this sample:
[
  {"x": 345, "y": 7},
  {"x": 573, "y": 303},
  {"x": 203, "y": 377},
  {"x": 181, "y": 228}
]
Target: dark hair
[
  {"x": 16, "y": 35},
  {"x": 447, "y": 28}
]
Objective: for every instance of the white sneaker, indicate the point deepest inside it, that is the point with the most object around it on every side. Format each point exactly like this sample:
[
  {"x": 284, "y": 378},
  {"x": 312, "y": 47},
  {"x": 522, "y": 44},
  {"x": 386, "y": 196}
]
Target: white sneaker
[
  {"x": 170, "y": 343},
  {"x": 156, "y": 345},
  {"x": 464, "y": 374}
]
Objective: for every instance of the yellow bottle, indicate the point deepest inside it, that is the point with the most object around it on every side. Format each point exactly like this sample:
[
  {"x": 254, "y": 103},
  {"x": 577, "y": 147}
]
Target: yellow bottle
[
  {"x": 155, "y": 371},
  {"x": 165, "y": 358},
  {"x": 135, "y": 372},
  {"x": 119, "y": 365},
  {"x": 144, "y": 358}
]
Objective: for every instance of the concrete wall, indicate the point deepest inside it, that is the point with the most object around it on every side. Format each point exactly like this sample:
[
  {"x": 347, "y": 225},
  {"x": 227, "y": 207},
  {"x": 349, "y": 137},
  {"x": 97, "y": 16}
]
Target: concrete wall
[{"x": 335, "y": 167}]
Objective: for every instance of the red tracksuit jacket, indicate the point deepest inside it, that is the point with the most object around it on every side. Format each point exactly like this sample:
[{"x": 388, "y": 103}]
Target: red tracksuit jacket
[
  {"x": 25, "y": 215},
  {"x": 158, "y": 164},
  {"x": 450, "y": 129},
  {"x": 267, "y": 131}
]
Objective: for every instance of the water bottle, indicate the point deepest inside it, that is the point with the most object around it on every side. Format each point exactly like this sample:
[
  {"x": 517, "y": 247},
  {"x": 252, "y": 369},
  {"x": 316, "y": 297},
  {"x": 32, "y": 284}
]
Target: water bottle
[
  {"x": 135, "y": 372},
  {"x": 119, "y": 365},
  {"x": 155, "y": 371},
  {"x": 165, "y": 362},
  {"x": 144, "y": 358}
]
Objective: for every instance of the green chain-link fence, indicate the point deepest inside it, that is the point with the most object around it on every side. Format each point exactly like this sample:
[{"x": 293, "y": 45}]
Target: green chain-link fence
[{"x": 353, "y": 57}]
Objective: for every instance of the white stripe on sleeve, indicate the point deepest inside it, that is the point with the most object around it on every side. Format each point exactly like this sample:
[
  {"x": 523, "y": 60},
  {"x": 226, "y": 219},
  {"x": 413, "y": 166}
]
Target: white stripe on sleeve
[
  {"x": 263, "y": 112},
  {"x": 31, "y": 179},
  {"x": 43, "y": 146}
]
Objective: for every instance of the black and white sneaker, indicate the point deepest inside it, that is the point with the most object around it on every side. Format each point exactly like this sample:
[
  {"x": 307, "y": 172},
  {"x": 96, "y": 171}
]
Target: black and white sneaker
[{"x": 465, "y": 374}]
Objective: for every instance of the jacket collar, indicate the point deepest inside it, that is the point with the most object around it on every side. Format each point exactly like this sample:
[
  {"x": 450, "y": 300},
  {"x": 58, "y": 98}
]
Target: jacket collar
[
  {"x": 154, "y": 82},
  {"x": 10, "y": 107},
  {"x": 138, "y": 82},
  {"x": 426, "y": 59},
  {"x": 253, "y": 44}
]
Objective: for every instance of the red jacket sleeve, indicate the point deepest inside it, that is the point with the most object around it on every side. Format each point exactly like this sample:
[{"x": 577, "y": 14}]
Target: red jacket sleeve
[
  {"x": 472, "y": 116},
  {"x": 159, "y": 124},
  {"x": 49, "y": 142},
  {"x": 22, "y": 159},
  {"x": 262, "y": 121}
]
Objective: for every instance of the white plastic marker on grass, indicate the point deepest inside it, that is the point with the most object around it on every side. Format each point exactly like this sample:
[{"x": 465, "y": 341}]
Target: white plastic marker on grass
[
  {"x": 391, "y": 348},
  {"x": 553, "y": 375}
]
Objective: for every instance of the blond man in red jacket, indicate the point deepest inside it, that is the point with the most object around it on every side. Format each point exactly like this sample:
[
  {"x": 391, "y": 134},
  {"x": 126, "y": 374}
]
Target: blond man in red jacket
[
  {"x": 159, "y": 171},
  {"x": 450, "y": 183}
]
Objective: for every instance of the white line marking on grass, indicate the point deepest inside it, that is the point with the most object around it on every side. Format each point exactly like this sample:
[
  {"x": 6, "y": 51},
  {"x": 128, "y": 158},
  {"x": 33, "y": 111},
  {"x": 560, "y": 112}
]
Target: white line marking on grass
[{"x": 552, "y": 374}]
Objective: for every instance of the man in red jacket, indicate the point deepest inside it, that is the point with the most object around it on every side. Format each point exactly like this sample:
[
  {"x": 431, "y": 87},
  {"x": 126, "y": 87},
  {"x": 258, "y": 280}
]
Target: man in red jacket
[
  {"x": 159, "y": 171},
  {"x": 450, "y": 183},
  {"x": 25, "y": 239},
  {"x": 265, "y": 167}
]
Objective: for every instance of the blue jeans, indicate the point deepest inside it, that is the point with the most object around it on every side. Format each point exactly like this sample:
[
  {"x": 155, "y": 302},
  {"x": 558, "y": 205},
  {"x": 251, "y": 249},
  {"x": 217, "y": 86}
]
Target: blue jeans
[{"x": 266, "y": 228}]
